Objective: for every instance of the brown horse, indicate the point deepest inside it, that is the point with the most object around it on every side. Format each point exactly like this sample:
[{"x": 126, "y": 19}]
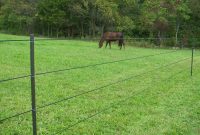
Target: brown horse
[{"x": 112, "y": 36}]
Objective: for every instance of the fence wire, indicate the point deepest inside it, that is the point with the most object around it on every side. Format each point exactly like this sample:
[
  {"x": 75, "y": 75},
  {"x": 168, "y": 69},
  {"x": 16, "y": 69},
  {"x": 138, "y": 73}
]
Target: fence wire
[
  {"x": 114, "y": 104},
  {"x": 90, "y": 39},
  {"x": 110, "y": 84},
  {"x": 104, "y": 63},
  {"x": 14, "y": 78},
  {"x": 87, "y": 66},
  {"x": 82, "y": 39},
  {"x": 96, "y": 89},
  {"x": 17, "y": 40},
  {"x": 16, "y": 115}
]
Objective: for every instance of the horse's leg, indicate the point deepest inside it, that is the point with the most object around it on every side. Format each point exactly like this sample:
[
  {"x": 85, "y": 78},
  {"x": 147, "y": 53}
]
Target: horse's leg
[
  {"x": 110, "y": 44},
  {"x": 106, "y": 44},
  {"x": 120, "y": 44},
  {"x": 123, "y": 45}
]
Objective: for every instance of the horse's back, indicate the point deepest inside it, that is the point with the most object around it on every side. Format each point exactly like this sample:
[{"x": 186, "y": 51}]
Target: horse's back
[{"x": 113, "y": 35}]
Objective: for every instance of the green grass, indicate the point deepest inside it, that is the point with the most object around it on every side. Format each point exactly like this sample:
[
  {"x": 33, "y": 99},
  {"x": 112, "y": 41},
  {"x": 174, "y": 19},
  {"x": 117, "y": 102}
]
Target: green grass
[{"x": 163, "y": 101}]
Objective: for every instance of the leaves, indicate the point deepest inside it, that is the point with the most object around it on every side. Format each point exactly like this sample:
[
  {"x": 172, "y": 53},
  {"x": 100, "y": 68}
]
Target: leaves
[{"x": 92, "y": 17}]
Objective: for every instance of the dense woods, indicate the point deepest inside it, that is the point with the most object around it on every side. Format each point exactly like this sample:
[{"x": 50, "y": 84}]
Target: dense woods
[{"x": 177, "y": 19}]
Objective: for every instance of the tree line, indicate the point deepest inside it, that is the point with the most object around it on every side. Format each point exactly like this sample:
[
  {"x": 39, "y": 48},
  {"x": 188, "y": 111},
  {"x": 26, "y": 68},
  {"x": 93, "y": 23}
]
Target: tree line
[{"x": 90, "y": 18}]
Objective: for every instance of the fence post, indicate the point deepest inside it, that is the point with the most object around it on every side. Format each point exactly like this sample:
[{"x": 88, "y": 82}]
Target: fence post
[
  {"x": 32, "y": 68},
  {"x": 192, "y": 61}
]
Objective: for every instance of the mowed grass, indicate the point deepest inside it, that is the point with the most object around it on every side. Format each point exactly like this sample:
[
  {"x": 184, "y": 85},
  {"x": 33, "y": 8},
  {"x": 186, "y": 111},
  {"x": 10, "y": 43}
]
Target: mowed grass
[{"x": 163, "y": 101}]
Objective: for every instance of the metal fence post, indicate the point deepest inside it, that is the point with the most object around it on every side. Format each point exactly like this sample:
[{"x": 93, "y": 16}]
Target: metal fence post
[
  {"x": 32, "y": 68},
  {"x": 192, "y": 61}
]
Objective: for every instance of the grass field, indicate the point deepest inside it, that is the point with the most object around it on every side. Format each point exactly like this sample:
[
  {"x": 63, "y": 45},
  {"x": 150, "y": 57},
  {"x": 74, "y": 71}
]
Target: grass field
[{"x": 163, "y": 101}]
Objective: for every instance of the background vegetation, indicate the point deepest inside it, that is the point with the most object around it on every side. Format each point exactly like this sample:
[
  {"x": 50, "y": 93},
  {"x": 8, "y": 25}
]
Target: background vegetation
[{"x": 177, "y": 19}]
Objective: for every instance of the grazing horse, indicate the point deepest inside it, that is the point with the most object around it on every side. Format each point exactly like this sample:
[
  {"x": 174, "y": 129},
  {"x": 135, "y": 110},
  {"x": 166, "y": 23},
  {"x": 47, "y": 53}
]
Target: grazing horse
[{"x": 112, "y": 36}]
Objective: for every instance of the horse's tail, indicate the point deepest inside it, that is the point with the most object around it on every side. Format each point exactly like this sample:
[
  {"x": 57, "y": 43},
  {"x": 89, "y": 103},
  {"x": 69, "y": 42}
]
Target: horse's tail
[{"x": 121, "y": 39}]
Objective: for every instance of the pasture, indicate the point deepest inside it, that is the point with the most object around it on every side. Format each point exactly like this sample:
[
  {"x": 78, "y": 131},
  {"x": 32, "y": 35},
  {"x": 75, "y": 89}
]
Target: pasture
[{"x": 163, "y": 101}]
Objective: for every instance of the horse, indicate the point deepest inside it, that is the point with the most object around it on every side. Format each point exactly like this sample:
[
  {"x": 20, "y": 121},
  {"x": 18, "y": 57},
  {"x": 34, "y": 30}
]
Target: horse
[{"x": 112, "y": 36}]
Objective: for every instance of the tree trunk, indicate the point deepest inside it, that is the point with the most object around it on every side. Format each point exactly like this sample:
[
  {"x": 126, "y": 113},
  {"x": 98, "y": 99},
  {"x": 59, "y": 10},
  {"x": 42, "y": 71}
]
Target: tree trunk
[
  {"x": 72, "y": 32},
  {"x": 90, "y": 29},
  {"x": 48, "y": 30},
  {"x": 177, "y": 30},
  {"x": 20, "y": 27},
  {"x": 102, "y": 29},
  {"x": 43, "y": 29},
  {"x": 93, "y": 28},
  {"x": 159, "y": 38},
  {"x": 51, "y": 31},
  {"x": 57, "y": 32},
  {"x": 68, "y": 31},
  {"x": 82, "y": 30}
]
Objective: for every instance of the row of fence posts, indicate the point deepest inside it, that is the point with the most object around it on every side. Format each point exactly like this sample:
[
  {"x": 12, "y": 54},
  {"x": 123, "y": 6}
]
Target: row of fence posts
[{"x": 32, "y": 78}]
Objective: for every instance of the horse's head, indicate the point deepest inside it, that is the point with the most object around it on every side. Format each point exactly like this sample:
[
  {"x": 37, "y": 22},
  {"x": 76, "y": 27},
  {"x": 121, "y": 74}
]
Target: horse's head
[
  {"x": 100, "y": 45},
  {"x": 101, "y": 42}
]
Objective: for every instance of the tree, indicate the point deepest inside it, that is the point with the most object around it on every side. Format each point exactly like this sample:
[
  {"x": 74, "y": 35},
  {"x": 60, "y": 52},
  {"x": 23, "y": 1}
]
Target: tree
[
  {"x": 70, "y": 18},
  {"x": 154, "y": 18},
  {"x": 16, "y": 16},
  {"x": 180, "y": 13}
]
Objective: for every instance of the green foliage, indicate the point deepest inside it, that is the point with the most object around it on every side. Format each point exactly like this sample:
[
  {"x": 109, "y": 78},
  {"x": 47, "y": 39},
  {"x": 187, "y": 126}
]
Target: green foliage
[
  {"x": 81, "y": 18},
  {"x": 16, "y": 16}
]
